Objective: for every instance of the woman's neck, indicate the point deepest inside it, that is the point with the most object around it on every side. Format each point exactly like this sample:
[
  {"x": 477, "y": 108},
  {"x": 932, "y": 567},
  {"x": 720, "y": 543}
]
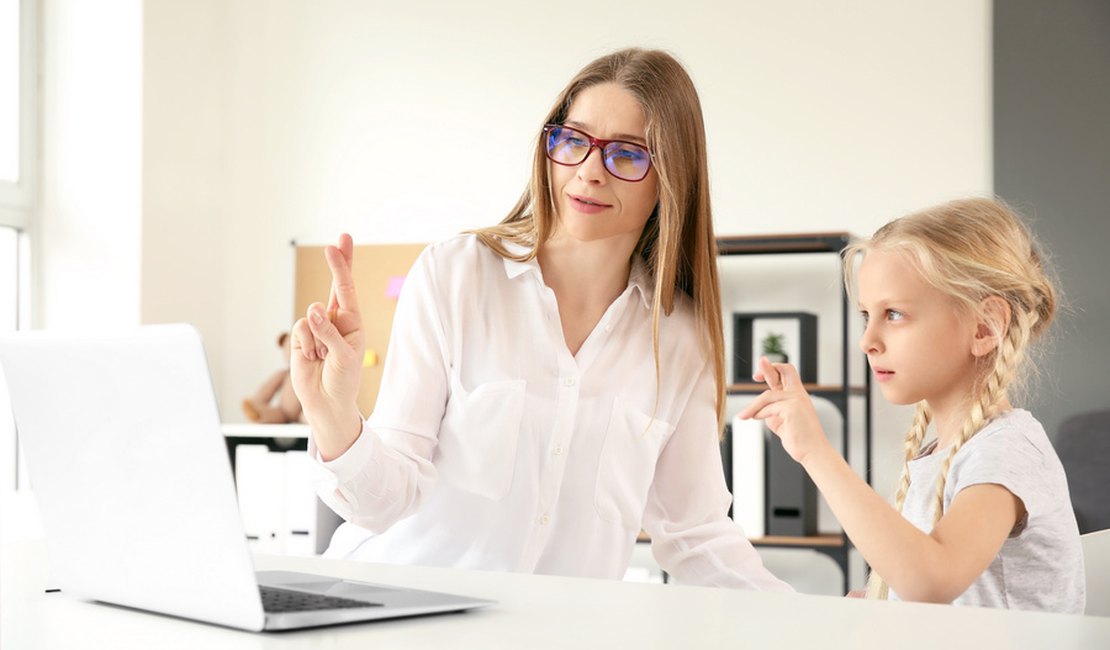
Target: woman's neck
[
  {"x": 590, "y": 272},
  {"x": 586, "y": 278}
]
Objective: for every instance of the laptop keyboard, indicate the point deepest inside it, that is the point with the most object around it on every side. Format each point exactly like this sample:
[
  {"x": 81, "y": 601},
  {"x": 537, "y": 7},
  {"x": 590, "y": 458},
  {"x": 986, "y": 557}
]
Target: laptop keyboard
[{"x": 276, "y": 600}]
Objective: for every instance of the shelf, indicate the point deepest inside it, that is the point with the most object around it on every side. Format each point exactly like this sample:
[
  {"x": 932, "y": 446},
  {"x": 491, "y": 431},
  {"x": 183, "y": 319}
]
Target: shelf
[
  {"x": 815, "y": 389},
  {"x": 832, "y": 540},
  {"x": 822, "y": 242},
  {"x": 842, "y": 393},
  {"x": 252, "y": 430}
]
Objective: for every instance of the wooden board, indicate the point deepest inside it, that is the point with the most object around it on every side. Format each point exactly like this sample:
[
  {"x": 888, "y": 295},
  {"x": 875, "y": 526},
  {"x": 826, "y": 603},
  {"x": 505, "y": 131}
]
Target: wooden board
[{"x": 377, "y": 268}]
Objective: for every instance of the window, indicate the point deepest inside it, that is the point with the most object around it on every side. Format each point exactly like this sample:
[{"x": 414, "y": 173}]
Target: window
[
  {"x": 17, "y": 67},
  {"x": 9, "y": 279},
  {"x": 17, "y": 150},
  {"x": 9, "y": 91},
  {"x": 9, "y": 321}
]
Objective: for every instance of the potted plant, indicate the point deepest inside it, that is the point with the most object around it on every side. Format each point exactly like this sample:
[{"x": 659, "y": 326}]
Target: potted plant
[{"x": 772, "y": 348}]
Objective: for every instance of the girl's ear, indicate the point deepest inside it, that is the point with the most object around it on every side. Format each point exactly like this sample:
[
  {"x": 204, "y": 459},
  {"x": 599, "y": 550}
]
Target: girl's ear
[{"x": 991, "y": 325}]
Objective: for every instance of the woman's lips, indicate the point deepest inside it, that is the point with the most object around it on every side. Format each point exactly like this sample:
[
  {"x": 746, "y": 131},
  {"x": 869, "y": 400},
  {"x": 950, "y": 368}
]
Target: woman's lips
[
  {"x": 883, "y": 375},
  {"x": 586, "y": 204}
]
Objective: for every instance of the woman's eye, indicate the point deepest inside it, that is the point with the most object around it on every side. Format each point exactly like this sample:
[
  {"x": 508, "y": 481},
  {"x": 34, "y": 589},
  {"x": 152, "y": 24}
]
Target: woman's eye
[
  {"x": 894, "y": 314},
  {"x": 866, "y": 317},
  {"x": 629, "y": 153}
]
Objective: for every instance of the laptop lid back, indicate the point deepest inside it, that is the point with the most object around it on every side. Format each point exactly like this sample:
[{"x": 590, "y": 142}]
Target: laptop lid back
[{"x": 121, "y": 436}]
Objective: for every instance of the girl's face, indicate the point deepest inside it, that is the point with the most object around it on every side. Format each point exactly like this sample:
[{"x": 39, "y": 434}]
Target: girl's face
[
  {"x": 917, "y": 340},
  {"x": 591, "y": 203}
]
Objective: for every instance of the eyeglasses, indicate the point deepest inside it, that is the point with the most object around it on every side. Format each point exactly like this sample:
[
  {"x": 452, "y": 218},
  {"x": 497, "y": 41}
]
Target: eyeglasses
[{"x": 567, "y": 146}]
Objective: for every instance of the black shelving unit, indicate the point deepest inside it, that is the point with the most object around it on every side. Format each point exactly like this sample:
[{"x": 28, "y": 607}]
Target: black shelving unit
[{"x": 836, "y": 546}]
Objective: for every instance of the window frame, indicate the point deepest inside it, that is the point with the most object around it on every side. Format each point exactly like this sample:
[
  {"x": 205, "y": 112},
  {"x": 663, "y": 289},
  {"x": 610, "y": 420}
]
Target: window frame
[
  {"x": 18, "y": 205},
  {"x": 17, "y": 200}
]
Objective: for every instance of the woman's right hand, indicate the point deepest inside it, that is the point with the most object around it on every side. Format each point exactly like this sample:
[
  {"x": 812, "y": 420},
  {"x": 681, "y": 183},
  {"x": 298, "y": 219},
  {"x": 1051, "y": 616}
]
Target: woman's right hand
[{"x": 326, "y": 359}]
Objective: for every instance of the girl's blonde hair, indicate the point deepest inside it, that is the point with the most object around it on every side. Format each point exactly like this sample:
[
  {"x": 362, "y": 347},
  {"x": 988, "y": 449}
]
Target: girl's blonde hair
[
  {"x": 971, "y": 250},
  {"x": 677, "y": 244}
]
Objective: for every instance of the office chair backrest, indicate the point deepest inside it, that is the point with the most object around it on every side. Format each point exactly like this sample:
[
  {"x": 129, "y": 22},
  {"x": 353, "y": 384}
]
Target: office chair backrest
[
  {"x": 1096, "y": 557},
  {"x": 1083, "y": 444}
]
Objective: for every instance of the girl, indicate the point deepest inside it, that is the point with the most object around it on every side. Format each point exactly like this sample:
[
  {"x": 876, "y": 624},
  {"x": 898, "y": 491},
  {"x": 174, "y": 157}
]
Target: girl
[
  {"x": 553, "y": 383},
  {"x": 952, "y": 297}
]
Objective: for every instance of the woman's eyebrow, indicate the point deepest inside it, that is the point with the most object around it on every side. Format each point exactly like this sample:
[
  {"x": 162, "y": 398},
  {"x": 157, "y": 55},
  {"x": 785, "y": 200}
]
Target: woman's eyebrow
[{"x": 639, "y": 139}]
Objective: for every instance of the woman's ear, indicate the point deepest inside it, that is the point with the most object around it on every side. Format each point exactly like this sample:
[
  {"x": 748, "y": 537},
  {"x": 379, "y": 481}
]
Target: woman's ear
[{"x": 991, "y": 325}]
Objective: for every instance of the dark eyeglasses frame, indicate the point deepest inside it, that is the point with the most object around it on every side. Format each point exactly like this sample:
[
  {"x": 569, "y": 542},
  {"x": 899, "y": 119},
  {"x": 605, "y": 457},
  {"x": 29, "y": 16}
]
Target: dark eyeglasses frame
[{"x": 600, "y": 144}]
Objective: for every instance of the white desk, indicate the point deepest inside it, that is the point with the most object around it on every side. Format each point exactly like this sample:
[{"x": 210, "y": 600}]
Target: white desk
[{"x": 543, "y": 612}]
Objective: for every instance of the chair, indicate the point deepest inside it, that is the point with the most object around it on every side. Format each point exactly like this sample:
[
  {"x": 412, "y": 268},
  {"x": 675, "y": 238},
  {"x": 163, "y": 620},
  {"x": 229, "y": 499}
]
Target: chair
[
  {"x": 1083, "y": 444},
  {"x": 1096, "y": 557}
]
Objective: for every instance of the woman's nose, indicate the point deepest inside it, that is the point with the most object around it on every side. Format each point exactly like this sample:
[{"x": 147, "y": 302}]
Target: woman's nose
[{"x": 592, "y": 169}]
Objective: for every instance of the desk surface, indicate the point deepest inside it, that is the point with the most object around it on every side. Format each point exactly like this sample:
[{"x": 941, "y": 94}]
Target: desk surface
[{"x": 543, "y": 612}]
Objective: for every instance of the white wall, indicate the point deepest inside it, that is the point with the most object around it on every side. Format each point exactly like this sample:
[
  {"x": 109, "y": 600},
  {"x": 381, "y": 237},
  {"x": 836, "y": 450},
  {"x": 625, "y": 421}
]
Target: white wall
[
  {"x": 86, "y": 235},
  {"x": 264, "y": 122},
  {"x": 267, "y": 122},
  {"x": 187, "y": 223},
  {"x": 298, "y": 120}
]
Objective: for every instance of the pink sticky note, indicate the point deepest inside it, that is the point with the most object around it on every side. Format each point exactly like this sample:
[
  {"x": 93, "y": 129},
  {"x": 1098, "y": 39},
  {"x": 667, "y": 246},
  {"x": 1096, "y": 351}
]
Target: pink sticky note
[{"x": 393, "y": 289}]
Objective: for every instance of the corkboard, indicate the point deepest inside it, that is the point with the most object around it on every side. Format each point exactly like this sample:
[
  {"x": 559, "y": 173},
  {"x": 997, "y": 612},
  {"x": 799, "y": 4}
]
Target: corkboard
[{"x": 378, "y": 270}]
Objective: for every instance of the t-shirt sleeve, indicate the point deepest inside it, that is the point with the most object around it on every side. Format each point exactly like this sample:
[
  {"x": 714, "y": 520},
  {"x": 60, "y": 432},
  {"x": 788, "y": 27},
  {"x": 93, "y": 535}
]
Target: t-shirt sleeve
[{"x": 1004, "y": 457}]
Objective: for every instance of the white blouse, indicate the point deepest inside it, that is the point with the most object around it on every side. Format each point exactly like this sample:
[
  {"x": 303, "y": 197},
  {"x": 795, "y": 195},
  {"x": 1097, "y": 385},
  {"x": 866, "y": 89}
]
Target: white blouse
[{"x": 492, "y": 447}]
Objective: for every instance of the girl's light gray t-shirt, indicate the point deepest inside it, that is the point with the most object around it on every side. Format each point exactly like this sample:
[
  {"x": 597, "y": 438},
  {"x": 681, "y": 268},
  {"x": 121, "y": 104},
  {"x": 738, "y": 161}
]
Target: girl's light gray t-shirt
[{"x": 1040, "y": 566}]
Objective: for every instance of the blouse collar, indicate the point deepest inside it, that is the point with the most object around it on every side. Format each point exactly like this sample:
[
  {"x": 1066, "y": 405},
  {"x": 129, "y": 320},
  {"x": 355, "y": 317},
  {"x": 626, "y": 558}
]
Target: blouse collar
[{"x": 638, "y": 278}]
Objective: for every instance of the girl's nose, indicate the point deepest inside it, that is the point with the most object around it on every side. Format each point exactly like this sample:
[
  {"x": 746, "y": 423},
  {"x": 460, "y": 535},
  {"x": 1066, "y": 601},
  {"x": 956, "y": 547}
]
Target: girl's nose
[{"x": 869, "y": 342}]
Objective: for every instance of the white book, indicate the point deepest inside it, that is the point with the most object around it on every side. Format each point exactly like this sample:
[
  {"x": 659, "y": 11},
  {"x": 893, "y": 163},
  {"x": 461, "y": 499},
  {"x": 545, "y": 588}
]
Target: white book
[
  {"x": 749, "y": 486},
  {"x": 748, "y": 481},
  {"x": 833, "y": 424},
  {"x": 301, "y": 504},
  {"x": 260, "y": 481}
]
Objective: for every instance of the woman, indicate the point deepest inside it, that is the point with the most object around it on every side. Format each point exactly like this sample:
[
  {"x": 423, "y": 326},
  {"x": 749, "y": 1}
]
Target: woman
[{"x": 554, "y": 383}]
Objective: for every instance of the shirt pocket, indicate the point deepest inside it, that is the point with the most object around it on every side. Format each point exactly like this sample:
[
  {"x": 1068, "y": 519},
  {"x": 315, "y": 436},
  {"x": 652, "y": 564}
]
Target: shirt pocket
[
  {"x": 629, "y": 454},
  {"x": 477, "y": 444}
]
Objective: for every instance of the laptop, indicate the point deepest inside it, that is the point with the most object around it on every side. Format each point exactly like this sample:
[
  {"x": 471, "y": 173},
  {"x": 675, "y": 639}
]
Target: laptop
[{"x": 125, "y": 455}]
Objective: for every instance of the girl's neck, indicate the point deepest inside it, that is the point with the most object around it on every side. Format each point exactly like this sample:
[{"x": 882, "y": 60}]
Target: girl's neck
[{"x": 949, "y": 420}]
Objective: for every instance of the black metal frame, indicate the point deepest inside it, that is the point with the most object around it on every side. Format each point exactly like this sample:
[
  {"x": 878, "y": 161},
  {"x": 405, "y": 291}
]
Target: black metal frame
[{"x": 834, "y": 242}]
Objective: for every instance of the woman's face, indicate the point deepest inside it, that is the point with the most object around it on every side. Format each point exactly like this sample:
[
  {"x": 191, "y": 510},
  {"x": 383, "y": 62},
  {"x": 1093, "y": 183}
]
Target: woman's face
[{"x": 591, "y": 203}]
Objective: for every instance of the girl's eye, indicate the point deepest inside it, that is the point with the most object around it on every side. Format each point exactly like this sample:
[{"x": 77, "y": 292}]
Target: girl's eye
[
  {"x": 894, "y": 314},
  {"x": 865, "y": 315}
]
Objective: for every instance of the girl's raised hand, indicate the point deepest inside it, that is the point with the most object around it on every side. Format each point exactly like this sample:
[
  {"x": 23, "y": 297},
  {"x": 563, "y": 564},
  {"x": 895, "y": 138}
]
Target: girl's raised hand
[
  {"x": 326, "y": 359},
  {"x": 787, "y": 409}
]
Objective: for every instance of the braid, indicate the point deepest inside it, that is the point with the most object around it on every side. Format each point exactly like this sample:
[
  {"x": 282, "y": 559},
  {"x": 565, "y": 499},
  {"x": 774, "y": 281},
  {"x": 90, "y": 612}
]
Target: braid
[
  {"x": 972, "y": 424},
  {"x": 876, "y": 586},
  {"x": 914, "y": 439},
  {"x": 993, "y": 390}
]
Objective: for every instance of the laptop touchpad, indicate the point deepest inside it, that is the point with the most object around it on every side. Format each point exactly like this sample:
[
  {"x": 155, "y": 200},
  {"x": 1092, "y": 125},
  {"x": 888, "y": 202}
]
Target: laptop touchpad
[{"x": 348, "y": 589}]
